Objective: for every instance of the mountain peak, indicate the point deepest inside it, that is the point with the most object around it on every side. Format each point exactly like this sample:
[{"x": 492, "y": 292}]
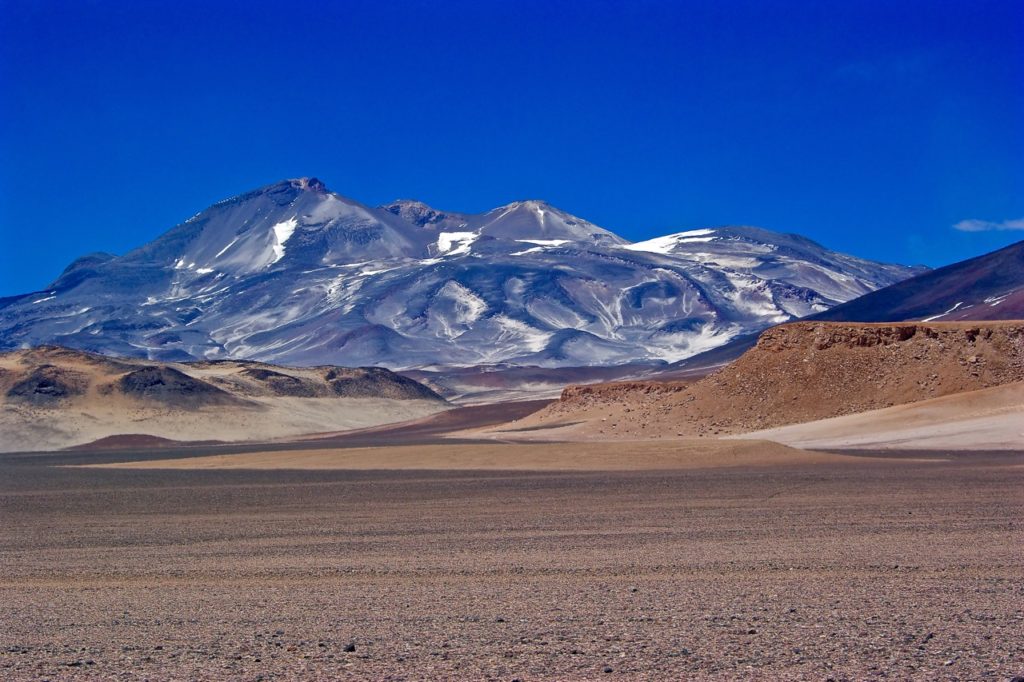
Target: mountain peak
[
  {"x": 284, "y": 190},
  {"x": 537, "y": 207},
  {"x": 529, "y": 203},
  {"x": 423, "y": 215},
  {"x": 296, "y": 273},
  {"x": 308, "y": 184},
  {"x": 537, "y": 219},
  {"x": 408, "y": 203}
]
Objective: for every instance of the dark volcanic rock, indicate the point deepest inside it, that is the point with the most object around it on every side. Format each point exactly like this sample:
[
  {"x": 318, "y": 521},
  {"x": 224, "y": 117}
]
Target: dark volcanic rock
[
  {"x": 170, "y": 386},
  {"x": 47, "y": 385},
  {"x": 376, "y": 382},
  {"x": 278, "y": 383}
]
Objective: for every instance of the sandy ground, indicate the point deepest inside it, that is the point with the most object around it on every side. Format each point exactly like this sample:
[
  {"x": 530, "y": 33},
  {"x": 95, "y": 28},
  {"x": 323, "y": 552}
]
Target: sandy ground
[
  {"x": 432, "y": 426},
  {"x": 507, "y": 457},
  {"x": 32, "y": 428},
  {"x": 847, "y": 569},
  {"x": 990, "y": 419}
]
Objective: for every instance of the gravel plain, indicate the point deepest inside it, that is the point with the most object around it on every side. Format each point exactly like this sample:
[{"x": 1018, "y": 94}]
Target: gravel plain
[{"x": 862, "y": 568}]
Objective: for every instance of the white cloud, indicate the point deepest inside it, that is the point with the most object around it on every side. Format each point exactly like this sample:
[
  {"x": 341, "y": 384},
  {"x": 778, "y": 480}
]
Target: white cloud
[{"x": 974, "y": 225}]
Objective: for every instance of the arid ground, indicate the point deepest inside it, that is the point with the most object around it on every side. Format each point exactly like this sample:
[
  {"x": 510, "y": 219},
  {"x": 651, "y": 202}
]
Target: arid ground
[{"x": 780, "y": 566}]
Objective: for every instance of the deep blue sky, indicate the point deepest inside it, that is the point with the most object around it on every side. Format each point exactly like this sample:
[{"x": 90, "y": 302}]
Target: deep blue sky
[{"x": 872, "y": 127}]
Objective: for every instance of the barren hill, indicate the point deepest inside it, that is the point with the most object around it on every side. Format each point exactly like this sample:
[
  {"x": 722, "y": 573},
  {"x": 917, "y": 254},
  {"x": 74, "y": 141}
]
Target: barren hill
[
  {"x": 53, "y": 397},
  {"x": 988, "y": 287},
  {"x": 800, "y": 372}
]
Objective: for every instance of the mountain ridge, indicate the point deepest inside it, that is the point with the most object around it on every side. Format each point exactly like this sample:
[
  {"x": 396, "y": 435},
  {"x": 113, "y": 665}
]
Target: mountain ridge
[
  {"x": 986, "y": 287},
  {"x": 294, "y": 273}
]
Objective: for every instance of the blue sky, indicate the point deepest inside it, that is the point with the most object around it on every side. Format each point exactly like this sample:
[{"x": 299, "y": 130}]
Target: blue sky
[{"x": 872, "y": 127}]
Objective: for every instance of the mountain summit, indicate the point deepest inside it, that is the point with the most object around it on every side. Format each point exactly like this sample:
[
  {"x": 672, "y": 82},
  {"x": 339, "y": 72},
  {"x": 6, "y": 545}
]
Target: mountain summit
[
  {"x": 294, "y": 273},
  {"x": 539, "y": 220},
  {"x": 290, "y": 223}
]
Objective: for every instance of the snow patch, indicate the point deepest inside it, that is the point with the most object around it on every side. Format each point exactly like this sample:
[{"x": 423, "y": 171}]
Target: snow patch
[
  {"x": 282, "y": 233},
  {"x": 935, "y": 317},
  {"x": 377, "y": 271},
  {"x": 453, "y": 310},
  {"x": 540, "y": 245},
  {"x": 752, "y": 295},
  {"x": 993, "y": 301},
  {"x": 686, "y": 345},
  {"x": 667, "y": 244},
  {"x": 520, "y": 333},
  {"x": 544, "y": 242},
  {"x": 221, "y": 252},
  {"x": 468, "y": 306},
  {"x": 455, "y": 243},
  {"x": 724, "y": 260}
]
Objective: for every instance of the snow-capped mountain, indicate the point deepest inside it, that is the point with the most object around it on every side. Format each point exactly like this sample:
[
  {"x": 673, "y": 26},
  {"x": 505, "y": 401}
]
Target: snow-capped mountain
[
  {"x": 293, "y": 273},
  {"x": 768, "y": 255}
]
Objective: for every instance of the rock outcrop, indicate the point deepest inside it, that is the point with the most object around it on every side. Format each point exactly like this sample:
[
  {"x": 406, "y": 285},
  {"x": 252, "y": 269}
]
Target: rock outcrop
[
  {"x": 53, "y": 397},
  {"x": 806, "y": 371}
]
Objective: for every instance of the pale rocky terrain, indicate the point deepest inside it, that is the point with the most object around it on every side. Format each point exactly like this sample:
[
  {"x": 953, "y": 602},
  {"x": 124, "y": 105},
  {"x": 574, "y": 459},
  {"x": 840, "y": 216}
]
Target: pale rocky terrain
[
  {"x": 799, "y": 372},
  {"x": 629, "y": 456},
  {"x": 989, "y": 419},
  {"x": 402, "y": 553},
  {"x": 831, "y": 568},
  {"x": 53, "y": 397}
]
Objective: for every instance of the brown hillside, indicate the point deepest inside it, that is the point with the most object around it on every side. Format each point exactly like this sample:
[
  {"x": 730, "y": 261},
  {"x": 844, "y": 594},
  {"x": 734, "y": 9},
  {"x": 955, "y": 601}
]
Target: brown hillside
[
  {"x": 801, "y": 372},
  {"x": 52, "y": 397}
]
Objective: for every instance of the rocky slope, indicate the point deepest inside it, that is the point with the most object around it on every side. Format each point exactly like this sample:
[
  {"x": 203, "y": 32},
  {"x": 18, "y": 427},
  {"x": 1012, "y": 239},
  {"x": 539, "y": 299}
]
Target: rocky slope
[
  {"x": 295, "y": 274},
  {"x": 802, "y": 372},
  {"x": 52, "y": 397},
  {"x": 989, "y": 287}
]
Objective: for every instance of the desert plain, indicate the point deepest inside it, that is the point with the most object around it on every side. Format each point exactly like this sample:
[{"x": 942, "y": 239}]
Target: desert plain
[{"x": 428, "y": 559}]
